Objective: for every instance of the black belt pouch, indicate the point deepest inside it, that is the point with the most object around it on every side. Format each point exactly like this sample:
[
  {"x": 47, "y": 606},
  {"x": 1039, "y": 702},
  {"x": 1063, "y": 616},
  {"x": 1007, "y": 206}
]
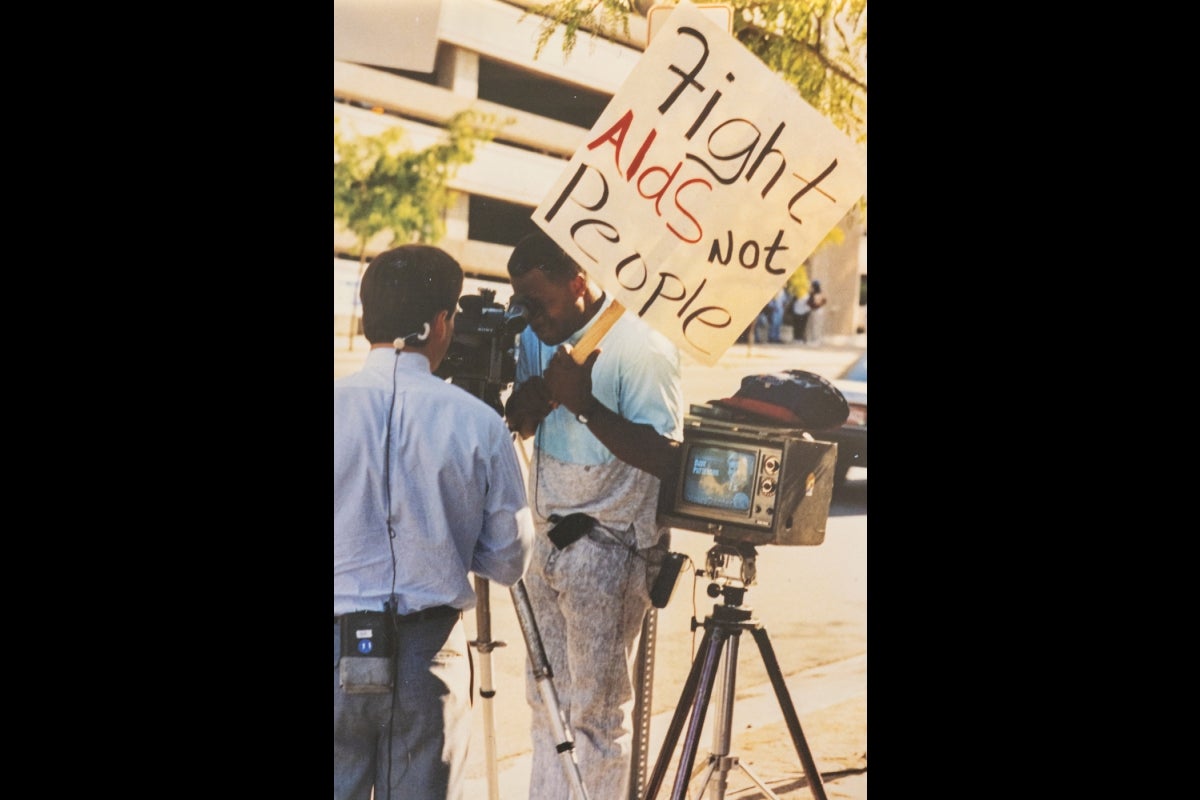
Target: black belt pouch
[
  {"x": 367, "y": 647},
  {"x": 569, "y": 529}
]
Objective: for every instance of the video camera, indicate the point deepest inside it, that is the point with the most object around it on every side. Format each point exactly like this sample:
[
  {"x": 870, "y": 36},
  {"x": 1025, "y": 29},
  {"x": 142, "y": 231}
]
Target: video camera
[{"x": 482, "y": 356}]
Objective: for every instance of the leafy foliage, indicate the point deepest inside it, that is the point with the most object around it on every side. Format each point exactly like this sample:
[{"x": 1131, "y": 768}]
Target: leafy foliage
[
  {"x": 596, "y": 15},
  {"x": 379, "y": 185}
]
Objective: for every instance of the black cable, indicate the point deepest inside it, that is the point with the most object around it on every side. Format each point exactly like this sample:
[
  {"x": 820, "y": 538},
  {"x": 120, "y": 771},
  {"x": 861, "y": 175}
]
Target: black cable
[
  {"x": 537, "y": 437},
  {"x": 392, "y": 605}
]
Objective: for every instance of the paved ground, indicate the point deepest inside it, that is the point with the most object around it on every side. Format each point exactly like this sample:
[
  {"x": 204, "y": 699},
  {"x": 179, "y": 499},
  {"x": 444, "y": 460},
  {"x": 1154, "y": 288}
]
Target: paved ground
[{"x": 810, "y": 600}]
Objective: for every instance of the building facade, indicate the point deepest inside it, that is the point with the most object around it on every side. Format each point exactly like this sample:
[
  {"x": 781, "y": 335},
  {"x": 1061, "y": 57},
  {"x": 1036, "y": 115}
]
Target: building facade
[{"x": 415, "y": 63}]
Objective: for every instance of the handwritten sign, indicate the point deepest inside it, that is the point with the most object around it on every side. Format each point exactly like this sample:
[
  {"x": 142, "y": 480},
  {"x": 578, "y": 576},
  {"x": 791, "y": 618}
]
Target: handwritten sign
[{"x": 702, "y": 187}]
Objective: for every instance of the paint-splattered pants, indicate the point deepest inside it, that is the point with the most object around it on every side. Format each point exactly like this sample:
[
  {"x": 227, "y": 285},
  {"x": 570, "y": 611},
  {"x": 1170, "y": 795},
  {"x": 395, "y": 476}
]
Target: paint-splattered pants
[{"x": 588, "y": 600}]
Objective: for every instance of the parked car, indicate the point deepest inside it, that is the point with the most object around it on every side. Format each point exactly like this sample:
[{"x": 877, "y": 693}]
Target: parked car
[{"x": 851, "y": 437}]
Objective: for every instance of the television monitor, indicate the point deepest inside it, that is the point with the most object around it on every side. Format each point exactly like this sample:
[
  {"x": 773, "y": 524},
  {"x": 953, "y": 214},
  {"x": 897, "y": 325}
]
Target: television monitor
[{"x": 750, "y": 483}]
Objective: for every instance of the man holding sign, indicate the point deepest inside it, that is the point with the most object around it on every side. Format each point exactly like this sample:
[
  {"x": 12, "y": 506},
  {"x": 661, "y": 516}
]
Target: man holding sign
[
  {"x": 703, "y": 185},
  {"x": 605, "y": 432}
]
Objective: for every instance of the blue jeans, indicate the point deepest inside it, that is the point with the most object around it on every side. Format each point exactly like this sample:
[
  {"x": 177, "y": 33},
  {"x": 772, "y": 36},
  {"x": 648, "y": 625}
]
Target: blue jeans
[
  {"x": 419, "y": 745},
  {"x": 774, "y": 325}
]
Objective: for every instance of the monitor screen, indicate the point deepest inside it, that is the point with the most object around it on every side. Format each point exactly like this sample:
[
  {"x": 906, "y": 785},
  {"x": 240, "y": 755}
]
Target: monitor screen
[
  {"x": 719, "y": 476},
  {"x": 751, "y": 484}
]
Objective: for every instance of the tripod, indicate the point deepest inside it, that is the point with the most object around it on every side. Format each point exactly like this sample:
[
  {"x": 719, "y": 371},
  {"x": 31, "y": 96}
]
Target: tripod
[{"x": 723, "y": 628}]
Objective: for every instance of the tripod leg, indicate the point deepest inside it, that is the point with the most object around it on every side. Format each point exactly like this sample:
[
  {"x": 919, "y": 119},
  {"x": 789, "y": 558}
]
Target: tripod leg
[
  {"x": 723, "y": 722},
  {"x": 766, "y": 790},
  {"x": 720, "y": 762},
  {"x": 725, "y": 763},
  {"x": 681, "y": 712},
  {"x": 789, "y": 713},
  {"x": 703, "y": 694},
  {"x": 706, "y": 775}
]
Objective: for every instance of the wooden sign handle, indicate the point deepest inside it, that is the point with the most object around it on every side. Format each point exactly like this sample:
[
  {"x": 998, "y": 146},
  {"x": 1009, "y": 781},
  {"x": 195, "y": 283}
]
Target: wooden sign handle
[{"x": 587, "y": 343}]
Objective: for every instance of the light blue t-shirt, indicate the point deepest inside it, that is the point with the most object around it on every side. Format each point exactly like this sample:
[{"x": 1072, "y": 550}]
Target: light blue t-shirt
[{"x": 637, "y": 375}]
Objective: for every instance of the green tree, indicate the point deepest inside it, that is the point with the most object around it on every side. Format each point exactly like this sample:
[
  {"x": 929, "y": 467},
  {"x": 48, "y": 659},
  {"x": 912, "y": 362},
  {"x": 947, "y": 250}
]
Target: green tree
[
  {"x": 799, "y": 284},
  {"x": 380, "y": 185}
]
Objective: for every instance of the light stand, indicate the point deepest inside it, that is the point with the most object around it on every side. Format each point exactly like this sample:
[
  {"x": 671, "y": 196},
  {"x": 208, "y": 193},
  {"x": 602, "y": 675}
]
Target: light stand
[
  {"x": 484, "y": 644},
  {"x": 723, "y": 628},
  {"x": 542, "y": 674},
  {"x": 488, "y": 391}
]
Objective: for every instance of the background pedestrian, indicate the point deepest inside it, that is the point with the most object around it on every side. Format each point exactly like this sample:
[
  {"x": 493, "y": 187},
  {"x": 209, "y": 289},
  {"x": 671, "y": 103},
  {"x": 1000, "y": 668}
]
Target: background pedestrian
[
  {"x": 800, "y": 312},
  {"x": 816, "y": 315}
]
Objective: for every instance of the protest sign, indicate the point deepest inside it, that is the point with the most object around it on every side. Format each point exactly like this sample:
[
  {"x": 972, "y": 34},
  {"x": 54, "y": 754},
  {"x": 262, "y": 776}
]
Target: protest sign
[{"x": 702, "y": 187}]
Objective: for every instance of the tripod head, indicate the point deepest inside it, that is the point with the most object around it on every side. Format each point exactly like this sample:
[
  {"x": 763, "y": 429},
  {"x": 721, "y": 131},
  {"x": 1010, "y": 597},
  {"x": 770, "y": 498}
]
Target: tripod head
[{"x": 730, "y": 565}]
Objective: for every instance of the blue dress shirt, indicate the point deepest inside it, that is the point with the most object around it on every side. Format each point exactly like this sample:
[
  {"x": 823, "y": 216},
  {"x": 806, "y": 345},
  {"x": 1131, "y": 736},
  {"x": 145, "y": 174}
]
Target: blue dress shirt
[{"x": 450, "y": 489}]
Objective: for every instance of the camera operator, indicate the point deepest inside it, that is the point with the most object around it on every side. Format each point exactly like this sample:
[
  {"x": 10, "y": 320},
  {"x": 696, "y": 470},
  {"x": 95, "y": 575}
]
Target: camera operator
[
  {"x": 427, "y": 488},
  {"x": 605, "y": 431}
]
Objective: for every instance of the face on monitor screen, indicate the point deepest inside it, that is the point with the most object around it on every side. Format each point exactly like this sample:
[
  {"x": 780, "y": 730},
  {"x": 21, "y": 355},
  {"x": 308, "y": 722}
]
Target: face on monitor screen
[{"x": 719, "y": 477}]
